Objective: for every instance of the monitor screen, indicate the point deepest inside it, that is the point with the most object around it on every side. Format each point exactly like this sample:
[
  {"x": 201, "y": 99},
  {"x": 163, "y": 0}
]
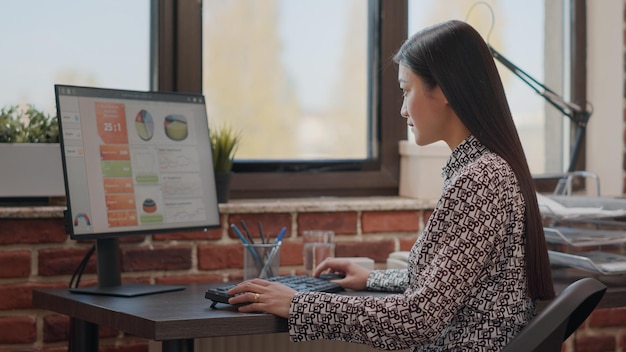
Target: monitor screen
[{"x": 135, "y": 162}]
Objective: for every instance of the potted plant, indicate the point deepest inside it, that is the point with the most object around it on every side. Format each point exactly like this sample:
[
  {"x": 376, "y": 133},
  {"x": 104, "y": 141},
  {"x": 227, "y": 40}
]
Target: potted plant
[
  {"x": 224, "y": 143},
  {"x": 30, "y": 154},
  {"x": 29, "y": 126}
]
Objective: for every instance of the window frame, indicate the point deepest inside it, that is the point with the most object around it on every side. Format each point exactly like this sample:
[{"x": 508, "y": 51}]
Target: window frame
[
  {"x": 176, "y": 56},
  {"x": 577, "y": 56},
  {"x": 178, "y": 65}
]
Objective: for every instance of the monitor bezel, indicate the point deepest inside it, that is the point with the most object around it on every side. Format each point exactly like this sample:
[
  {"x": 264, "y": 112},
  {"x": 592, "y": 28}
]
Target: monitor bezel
[{"x": 68, "y": 215}]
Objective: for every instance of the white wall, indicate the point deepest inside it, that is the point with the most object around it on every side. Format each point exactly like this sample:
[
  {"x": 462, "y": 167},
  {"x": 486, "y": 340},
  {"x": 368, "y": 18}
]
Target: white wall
[{"x": 605, "y": 79}]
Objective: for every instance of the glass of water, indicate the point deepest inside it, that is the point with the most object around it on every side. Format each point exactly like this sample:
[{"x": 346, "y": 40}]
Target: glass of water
[{"x": 317, "y": 245}]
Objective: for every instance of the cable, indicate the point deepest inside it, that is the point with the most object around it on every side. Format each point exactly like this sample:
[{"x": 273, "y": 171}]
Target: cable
[
  {"x": 81, "y": 267},
  {"x": 493, "y": 17}
]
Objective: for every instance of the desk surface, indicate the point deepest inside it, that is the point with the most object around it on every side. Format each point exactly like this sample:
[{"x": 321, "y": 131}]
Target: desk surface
[
  {"x": 164, "y": 316},
  {"x": 187, "y": 314}
]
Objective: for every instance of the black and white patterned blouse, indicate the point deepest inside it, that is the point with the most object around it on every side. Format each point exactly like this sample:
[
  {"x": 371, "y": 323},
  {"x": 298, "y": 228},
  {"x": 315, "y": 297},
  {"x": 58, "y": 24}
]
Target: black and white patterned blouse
[{"x": 464, "y": 288}]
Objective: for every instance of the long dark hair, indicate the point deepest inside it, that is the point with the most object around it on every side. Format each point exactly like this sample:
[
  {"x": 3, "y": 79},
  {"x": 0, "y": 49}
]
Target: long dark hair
[{"x": 453, "y": 56}]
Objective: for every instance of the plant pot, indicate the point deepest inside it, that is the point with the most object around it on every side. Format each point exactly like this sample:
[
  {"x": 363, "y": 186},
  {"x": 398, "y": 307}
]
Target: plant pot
[
  {"x": 222, "y": 185},
  {"x": 31, "y": 170}
]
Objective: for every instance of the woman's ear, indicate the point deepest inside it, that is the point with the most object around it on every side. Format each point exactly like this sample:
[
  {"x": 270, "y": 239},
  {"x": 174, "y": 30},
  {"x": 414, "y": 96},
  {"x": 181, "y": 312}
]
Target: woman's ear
[{"x": 439, "y": 92}]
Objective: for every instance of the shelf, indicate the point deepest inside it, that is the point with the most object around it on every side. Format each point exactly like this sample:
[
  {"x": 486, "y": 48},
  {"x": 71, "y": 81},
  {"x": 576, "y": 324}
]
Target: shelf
[
  {"x": 595, "y": 261},
  {"x": 581, "y": 208},
  {"x": 577, "y": 237}
]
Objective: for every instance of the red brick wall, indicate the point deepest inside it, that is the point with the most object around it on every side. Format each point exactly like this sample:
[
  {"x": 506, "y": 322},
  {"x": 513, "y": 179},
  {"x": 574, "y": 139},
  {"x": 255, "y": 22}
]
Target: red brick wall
[{"x": 36, "y": 253}]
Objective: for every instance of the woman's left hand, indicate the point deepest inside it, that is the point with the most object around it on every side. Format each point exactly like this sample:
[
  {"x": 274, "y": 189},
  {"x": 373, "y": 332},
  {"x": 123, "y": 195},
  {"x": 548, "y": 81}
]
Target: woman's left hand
[{"x": 262, "y": 296}]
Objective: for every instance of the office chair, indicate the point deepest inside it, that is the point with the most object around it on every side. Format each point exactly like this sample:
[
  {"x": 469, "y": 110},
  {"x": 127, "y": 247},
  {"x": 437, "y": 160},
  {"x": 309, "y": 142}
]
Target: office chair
[{"x": 560, "y": 318}]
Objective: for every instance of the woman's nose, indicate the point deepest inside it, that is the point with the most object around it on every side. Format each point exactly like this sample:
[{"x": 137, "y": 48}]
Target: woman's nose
[{"x": 403, "y": 111}]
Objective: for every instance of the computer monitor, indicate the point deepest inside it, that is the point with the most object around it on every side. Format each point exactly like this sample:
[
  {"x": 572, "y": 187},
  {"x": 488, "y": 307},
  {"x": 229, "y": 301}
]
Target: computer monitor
[{"x": 134, "y": 163}]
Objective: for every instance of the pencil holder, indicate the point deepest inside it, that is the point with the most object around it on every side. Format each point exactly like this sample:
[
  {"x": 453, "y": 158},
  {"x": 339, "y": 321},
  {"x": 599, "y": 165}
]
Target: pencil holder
[{"x": 261, "y": 260}]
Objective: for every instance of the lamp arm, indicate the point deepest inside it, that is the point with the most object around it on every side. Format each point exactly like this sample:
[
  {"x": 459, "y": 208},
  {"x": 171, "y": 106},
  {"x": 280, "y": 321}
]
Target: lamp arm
[{"x": 577, "y": 114}]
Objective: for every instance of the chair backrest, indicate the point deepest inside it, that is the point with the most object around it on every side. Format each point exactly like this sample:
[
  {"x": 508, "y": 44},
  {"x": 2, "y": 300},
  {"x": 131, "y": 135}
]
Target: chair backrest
[{"x": 560, "y": 318}]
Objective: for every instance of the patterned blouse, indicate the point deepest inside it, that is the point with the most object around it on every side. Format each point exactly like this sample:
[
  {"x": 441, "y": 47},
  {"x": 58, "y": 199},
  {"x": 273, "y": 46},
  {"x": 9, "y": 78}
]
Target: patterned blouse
[{"x": 464, "y": 288}]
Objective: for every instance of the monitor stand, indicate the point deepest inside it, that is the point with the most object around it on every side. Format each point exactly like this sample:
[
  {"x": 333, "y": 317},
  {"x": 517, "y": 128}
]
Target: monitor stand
[{"x": 110, "y": 275}]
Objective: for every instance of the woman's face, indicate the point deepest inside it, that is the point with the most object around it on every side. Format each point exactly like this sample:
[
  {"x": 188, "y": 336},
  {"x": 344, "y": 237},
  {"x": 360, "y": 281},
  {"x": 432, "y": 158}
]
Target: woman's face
[{"x": 427, "y": 111}]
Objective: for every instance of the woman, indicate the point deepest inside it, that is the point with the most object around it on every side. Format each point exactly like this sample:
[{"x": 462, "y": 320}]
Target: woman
[{"x": 481, "y": 262}]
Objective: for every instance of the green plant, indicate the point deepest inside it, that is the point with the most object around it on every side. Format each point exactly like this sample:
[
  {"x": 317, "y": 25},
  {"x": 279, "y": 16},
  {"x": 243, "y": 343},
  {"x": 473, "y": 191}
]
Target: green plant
[
  {"x": 27, "y": 126},
  {"x": 224, "y": 143}
]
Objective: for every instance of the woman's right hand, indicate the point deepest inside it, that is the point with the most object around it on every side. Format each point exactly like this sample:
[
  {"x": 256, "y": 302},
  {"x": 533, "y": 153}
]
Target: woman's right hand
[{"x": 355, "y": 274}]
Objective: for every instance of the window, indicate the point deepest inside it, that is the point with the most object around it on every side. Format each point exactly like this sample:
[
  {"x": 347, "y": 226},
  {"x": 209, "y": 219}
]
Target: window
[
  {"x": 294, "y": 85},
  {"x": 73, "y": 42},
  {"x": 546, "y": 41},
  {"x": 545, "y": 137},
  {"x": 367, "y": 167},
  {"x": 516, "y": 30}
]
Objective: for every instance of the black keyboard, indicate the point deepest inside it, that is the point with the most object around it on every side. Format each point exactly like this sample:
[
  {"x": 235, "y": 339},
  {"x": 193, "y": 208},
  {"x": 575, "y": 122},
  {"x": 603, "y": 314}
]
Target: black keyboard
[{"x": 297, "y": 282}]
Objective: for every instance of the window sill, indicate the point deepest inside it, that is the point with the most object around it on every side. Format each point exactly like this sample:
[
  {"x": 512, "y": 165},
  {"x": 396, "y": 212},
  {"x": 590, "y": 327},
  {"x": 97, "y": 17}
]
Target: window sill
[
  {"x": 325, "y": 204},
  {"x": 279, "y": 205}
]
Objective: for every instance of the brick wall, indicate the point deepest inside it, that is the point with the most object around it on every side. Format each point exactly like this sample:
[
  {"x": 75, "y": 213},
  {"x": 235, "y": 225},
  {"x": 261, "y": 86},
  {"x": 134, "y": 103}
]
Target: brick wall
[{"x": 36, "y": 253}]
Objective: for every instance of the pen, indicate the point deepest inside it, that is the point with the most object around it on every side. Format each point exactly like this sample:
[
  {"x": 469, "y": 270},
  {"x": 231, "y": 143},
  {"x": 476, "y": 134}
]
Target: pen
[
  {"x": 261, "y": 232},
  {"x": 238, "y": 233},
  {"x": 280, "y": 235},
  {"x": 245, "y": 228}
]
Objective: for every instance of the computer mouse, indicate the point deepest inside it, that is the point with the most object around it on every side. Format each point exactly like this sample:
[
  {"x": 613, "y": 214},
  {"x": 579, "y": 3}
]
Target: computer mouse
[{"x": 332, "y": 276}]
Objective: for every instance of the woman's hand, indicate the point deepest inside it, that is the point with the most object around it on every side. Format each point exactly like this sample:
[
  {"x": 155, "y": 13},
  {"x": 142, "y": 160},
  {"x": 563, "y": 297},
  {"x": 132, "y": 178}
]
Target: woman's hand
[
  {"x": 355, "y": 274},
  {"x": 263, "y": 296},
  {"x": 272, "y": 297}
]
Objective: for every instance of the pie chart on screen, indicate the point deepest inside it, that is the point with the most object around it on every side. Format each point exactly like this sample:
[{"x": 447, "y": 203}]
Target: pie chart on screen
[
  {"x": 144, "y": 124},
  {"x": 176, "y": 127},
  {"x": 149, "y": 206}
]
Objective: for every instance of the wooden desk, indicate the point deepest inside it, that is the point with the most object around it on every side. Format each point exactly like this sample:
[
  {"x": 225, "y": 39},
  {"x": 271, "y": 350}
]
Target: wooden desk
[{"x": 177, "y": 318}]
